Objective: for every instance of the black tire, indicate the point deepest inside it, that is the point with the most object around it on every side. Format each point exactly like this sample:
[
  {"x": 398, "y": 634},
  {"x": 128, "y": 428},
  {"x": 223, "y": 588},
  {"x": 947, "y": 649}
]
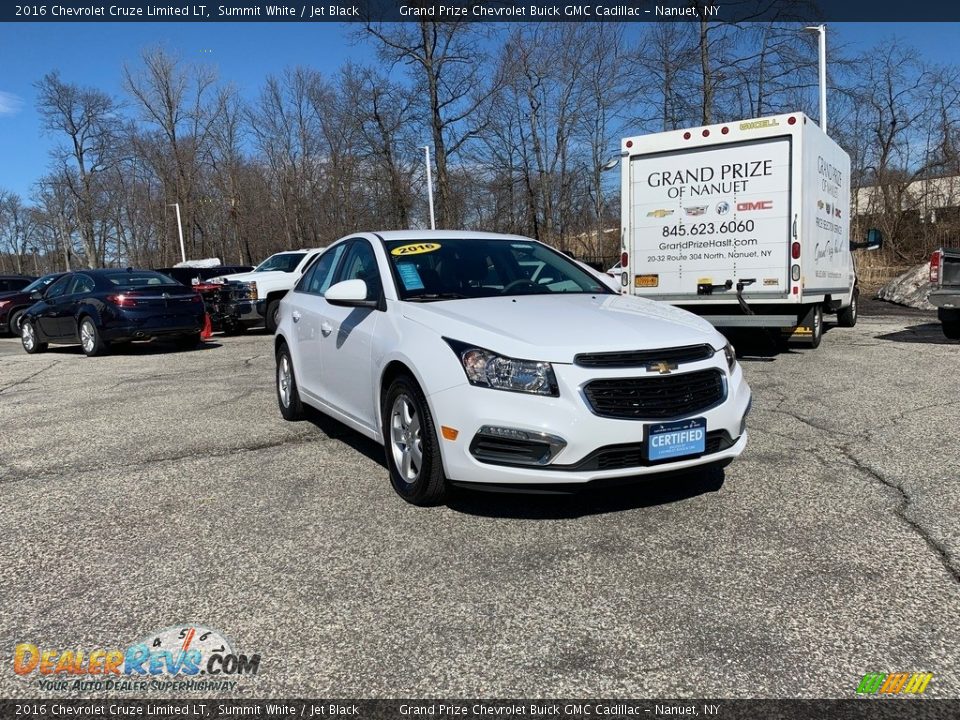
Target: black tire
[
  {"x": 288, "y": 396},
  {"x": 91, "y": 341},
  {"x": 404, "y": 440},
  {"x": 272, "y": 316},
  {"x": 817, "y": 334},
  {"x": 951, "y": 329},
  {"x": 14, "y": 324},
  {"x": 29, "y": 339},
  {"x": 847, "y": 317},
  {"x": 187, "y": 342}
]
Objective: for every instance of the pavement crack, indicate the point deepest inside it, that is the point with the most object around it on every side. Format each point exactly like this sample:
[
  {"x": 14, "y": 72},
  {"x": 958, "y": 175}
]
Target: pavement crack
[
  {"x": 901, "y": 512},
  {"x": 29, "y": 377}
]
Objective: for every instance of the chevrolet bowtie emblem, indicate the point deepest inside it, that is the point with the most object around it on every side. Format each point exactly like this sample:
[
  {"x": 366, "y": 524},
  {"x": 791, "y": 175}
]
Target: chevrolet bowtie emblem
[{"x": 662, "y": 367}]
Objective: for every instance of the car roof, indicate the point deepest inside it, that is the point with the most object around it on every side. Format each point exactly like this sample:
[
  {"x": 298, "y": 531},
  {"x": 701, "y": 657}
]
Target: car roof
[{"x": 389, "y": 235}]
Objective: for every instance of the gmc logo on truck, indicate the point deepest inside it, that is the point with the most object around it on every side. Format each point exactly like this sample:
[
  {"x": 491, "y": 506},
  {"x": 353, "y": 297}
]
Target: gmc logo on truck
[{"x": 758, "y": 205}]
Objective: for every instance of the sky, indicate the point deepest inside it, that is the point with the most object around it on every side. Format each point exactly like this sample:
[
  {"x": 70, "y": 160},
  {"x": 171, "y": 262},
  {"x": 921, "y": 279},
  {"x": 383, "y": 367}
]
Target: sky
[{"x": 93, "y": 54}]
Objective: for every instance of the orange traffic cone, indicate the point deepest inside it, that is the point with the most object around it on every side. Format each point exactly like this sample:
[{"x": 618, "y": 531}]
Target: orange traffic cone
[{"x": 207, "y": 331}]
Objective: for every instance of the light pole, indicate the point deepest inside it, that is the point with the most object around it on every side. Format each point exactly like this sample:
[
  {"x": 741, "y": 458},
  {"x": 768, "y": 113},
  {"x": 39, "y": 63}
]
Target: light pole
[
  {"x": 821, "y": 30},
  {"x": 433, "y": 220},
  {"x": 183, "y": 251}
]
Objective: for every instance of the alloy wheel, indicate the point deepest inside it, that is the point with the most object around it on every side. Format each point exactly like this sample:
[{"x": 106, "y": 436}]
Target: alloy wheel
[
  {"x": 87, "y": 336},
  {"x": 406, "y": 441}
]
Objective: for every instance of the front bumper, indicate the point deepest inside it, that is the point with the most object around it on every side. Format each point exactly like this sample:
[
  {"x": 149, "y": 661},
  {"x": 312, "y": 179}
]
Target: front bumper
[{"x": 596, "y": 448}]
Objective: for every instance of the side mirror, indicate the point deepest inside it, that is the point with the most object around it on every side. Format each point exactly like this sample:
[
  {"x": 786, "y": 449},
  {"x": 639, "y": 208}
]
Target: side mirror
[
  {"x": 874, "y": 241},
  {"x": 349, "y": 293},
  {"x": 36, "y": 295}
]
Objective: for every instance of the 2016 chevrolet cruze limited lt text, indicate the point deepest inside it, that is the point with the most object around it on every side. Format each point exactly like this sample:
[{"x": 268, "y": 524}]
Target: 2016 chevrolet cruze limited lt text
[{"x": 494, "y": 359}]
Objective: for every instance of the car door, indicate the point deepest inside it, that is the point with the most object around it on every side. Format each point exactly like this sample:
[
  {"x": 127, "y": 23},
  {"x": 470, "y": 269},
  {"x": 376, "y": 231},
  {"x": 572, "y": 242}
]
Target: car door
[
  {"x": 51, "y": 306},
  {"x": 65, "y": 311},
  {"x": 346, "y": 339},
  {"x": 306, "y": 305}
]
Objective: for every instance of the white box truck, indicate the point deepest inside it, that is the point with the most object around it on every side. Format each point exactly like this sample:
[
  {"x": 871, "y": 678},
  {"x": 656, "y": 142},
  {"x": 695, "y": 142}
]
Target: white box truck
[{"x": 746, "y": 223}]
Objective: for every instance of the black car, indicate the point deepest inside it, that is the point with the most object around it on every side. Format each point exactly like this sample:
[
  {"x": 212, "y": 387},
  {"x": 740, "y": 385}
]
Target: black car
[
  {"x": 12, "y": 304},
  {"x": 98, "y": 307}
]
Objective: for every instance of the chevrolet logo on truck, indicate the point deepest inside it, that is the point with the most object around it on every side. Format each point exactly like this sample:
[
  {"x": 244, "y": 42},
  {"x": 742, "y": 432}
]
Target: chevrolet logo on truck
[{"x": 661, "y": 213}]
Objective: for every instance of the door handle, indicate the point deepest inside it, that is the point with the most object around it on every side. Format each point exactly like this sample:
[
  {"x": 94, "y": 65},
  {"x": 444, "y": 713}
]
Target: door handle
[
  {"x": 295, "y": 315},
  {"x": 326, "y": 328}
]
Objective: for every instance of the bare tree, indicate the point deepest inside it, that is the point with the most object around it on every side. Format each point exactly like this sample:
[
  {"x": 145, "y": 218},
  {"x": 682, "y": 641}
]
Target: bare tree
[{"x": 450, "y": 71}]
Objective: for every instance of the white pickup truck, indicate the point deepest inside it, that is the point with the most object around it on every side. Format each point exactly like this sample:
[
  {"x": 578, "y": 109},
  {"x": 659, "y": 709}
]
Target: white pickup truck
[{"x": 253, "y": 298}]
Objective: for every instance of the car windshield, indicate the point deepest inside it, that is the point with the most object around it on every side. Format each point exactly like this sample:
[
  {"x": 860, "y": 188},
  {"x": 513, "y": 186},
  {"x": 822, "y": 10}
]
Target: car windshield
[
  {"x": 138, "y": 278},
  {"x": 40, "y": 283},
  {"x": 484, "y": 267},
  {"x": 283, "y": 262}
]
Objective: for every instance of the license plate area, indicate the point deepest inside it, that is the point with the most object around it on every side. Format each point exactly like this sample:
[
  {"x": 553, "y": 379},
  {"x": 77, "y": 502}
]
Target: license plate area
[{"x": 686, "y": 438}]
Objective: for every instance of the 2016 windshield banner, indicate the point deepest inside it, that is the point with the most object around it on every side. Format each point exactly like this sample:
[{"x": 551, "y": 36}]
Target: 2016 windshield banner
[
  {"x": 480, "y": 11},
  {"x": 321, "y": 709}
]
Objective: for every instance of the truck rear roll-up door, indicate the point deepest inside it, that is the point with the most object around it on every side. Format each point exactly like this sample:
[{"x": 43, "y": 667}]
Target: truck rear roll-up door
[{"x": 711, "y": 214}]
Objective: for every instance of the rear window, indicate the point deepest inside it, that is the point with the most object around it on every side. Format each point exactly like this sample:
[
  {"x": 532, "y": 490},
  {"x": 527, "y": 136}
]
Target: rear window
[{"x": 138, "y": 278}]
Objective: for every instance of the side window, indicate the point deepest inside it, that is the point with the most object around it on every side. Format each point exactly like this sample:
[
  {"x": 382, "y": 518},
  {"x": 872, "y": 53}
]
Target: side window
[
  {"x": 360, "y": 263},
  {"x": 80, "y": 284},
  {"x": 318, "y": 278},
  {"x": 58, "y": 288}
]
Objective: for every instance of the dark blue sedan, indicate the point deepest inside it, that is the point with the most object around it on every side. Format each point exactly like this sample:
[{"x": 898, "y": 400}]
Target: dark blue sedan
[{"x": 98, "y": 307}]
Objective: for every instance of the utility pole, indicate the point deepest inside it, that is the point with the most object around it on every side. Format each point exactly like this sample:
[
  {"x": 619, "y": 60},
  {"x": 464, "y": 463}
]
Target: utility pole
[
  {"x": 183, "y": 251},
  {"x": 433, "y": 220},
  {"x": 821, "y": 30}
]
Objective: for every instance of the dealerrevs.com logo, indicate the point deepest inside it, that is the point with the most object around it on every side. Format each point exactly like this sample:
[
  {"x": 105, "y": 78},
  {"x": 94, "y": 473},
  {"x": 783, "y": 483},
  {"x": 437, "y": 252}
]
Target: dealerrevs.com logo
[{"x": 180, "y": 658}]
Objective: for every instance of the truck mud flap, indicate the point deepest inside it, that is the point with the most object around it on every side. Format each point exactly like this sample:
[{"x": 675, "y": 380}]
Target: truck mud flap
[{"x": 803, "y": 330}]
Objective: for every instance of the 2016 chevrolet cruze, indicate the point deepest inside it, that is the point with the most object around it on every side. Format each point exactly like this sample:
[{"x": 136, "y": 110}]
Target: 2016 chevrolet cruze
[{"x": 494, "y": 359}]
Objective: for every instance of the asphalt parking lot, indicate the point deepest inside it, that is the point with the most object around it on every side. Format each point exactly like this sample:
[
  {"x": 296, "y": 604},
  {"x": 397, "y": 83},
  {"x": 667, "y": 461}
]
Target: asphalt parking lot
[{"x": 154, "y": 487}]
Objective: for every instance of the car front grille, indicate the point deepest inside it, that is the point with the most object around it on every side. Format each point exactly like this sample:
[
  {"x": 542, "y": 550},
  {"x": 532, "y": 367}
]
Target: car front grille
[
  {"x": 656, "y": 397},
  {"x": 643, "y": 358}
]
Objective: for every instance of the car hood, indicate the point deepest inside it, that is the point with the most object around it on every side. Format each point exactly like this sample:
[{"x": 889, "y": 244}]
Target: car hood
[
  {"x": 248, "y": 276},
  {"x": 556, "y": 327},
  {"x": 13, "y": 295}
]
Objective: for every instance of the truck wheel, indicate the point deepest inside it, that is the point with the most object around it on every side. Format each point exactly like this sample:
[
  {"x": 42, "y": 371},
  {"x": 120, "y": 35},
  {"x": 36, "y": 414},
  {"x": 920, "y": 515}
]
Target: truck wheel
[
  {"x": 951, "y": 329},
  {"x": 847, "y": 317},
  {"x": 272, "y": 317},
  {"x": 817, "y": 323}
]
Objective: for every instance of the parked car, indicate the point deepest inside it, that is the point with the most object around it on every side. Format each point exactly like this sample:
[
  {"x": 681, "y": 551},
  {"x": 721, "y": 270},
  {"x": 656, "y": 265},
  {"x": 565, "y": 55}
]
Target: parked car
[
  {"x": 440, "y": 346},
  {"x": 252, "y": 299},
  {"x": 198, "y": 279},
  {"x": 98, "y": 307},
  {"x": 945, "y": 293},
  {"x": 14, "y": 283},
  {"x": 13, "y": 303}
]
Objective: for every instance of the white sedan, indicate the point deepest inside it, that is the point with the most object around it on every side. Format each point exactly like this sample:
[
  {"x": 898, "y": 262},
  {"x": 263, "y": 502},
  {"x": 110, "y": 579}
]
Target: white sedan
[{"x": 440, "y": 346}]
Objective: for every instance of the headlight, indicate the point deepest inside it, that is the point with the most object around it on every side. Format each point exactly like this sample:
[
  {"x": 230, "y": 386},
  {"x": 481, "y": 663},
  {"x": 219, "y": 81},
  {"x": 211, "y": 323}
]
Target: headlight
[
  {"x": 731, "y": 355},
  {"x": 487, "y": 369}
]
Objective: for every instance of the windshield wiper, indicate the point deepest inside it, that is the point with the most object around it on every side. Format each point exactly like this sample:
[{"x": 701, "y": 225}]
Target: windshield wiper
[{"x": 429, "y": 297}]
